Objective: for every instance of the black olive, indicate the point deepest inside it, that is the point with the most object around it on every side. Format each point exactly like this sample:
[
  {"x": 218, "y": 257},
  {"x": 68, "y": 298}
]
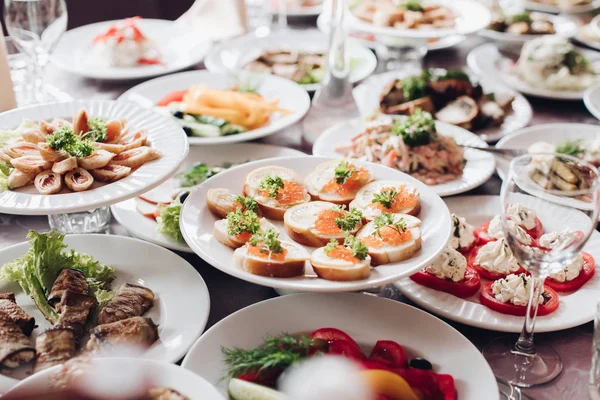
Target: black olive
[
  {"x": 420, "y": 363},
  {"x": 183, "y": 196},
  {"x": 188, "y": 131},
  {"x": 177, "y": 114}
]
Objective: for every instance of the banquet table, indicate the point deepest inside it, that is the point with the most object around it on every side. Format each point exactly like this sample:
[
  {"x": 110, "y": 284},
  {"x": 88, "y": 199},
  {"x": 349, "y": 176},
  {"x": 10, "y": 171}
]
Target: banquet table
[{"x": 229, "y": 294}]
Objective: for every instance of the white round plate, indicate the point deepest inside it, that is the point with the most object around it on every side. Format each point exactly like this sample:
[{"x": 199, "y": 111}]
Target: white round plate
[
  {"x": 591, "y": 99},
  {"x": 471, "y": 17},
  {"x": 480, "y": 165},
  {"x": 163, "y": 135},
  {"x": 197, "y": 222},
  {"x": 575, "y": 308},
  {"x": 369, "y": 40},
  {"x": 367, "y": 96},
  {"x": 552, "y": 133},
  {"x": 236, "y": 53},
  {"x": 176, "y": 284},
  {"x": 145, "y": 228},
  {"x": 158, "y": 374},
  {"x": 180, "y": 47},
  {"x": 365, "y": 318},
  {"x": 563, "y": 25},
  {"x": 290, "y": 95},
  {"x": 555, "y": 9},
  {"x": 489, "y": 64}
]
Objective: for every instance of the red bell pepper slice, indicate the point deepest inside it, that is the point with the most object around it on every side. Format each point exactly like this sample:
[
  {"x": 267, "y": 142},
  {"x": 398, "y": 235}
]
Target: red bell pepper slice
[{"x": 390, "y": 353}]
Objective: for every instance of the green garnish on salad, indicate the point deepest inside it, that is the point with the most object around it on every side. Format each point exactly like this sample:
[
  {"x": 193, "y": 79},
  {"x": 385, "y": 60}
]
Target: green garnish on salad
[
  {"x": 417, "y": 129},
  {"x": 385, "y": 198},
  {"x": 571, "y": 147},
  {"x": 269, "y": 241},
  {"x": 197, "y": 174},
  {"x": 65, "y": 139},
  {"x": 349, "y": 219},
  {"x": 388, "y": 220},
  {"x": 168, "y": 220},
  {"x": 5, "y": 170},
  {"x": 37, "y": 270},
  {"x": 343, "y": 171},
  {"x": 272, "y": 184},
  {"x": 239, "y": 222},
  {"x": 97, "y": 132}
]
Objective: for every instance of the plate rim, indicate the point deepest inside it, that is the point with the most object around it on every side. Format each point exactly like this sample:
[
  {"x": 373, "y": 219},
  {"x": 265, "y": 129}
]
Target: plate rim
[
  {"x": 504, "y": 37},
  {"x": 587, "y": 100}
]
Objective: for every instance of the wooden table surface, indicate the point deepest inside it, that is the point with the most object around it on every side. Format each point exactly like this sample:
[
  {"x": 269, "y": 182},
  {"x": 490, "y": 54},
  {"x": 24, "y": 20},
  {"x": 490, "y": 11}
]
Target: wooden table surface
[{"x": 229, "y": 294}]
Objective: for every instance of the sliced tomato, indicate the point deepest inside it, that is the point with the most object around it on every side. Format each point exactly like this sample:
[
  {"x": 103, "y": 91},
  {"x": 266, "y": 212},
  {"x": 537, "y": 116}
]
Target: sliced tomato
[
  {"x": 465, "y": 251},
  {"x": 346, "y": 349},
  {"x": 390, "y": 353},
  {"x": 484, "y": 273},
  {"x": 482, "y": 236},
  {"x": 537, "y": 231},
  {"x": 486, "y": 297},
  {"x": 465, "y": 288},
  {"x": 173, "y": 97},
  {"x": 447, "y": 387},
  {"x": 150, "y": 61},
  {"x": 331, "y": 334},
  {"x": 586, "y": 273}
]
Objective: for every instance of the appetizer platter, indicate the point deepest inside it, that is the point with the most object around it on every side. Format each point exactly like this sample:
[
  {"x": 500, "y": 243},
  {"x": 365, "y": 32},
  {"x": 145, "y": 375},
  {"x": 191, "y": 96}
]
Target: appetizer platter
[
  {"x": 216, "y": 108},
  {"x": 298, "y": 55},
  {"x": 168, "y": 380},
  {"x": 133, "y": 48},
  {"x": 375, "y": 141},
  {"x": 492, "y": 292},
  {"x": 485, "y": 109},
  {"x": 76, "y": 294},
  {"x": 261, "y": 221},
  {"x": 81, "y": 155},
  {"x": 548, "y": 67},
  {"x": 154, "y": 216},
  {"x": 418, "y": 19},
  {"x": 562, "y": 6},
  {"x": 215, "y": 354}
]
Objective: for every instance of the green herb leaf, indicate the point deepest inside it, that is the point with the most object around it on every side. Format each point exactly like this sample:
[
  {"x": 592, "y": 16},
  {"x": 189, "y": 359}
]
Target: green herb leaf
[
  {"x": 386, "y": 197},
  {"x": 64, "y": 139},
  {"x": 521, "y": 17},
  {"x": 571, "y": 147},
  {"x": 272, "y": 184},
  {"x": 97, "y": 132},
  {"x": 168, "y": 220},
  {"x": 268, "y": 240},
  {"x": 197, "y": 174},
  {"x": 239, "y": 222},
  {"x": 412, "y": 5},
  {"x": 343, "y": 171},
  {"x": 359, "y": 249},
  {"x": 389, "y": 220},
  {"x": 414, "y": 87},
  {"x": 333, "y": 243},
  {"x": 417, "y": 129},
  {"x": 247, "y": 203},
  {"x": 349, "y": 219},
  {"x": 576, "y": 62}
]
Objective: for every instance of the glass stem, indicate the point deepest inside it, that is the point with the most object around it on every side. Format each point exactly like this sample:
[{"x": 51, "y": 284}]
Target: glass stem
[
  {"x": 525, "y": 342},
  {"x": 39, "y": 89},
  {"x": 282, "y": 22}
]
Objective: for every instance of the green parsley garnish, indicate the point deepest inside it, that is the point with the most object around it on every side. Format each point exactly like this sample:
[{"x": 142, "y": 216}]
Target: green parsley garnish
[
  {"x": 333, "y": 243},
  {"x": 64, "y": 139},
  {"x": 359, "y": 249},
  {"x": 269, "y": 241},
  {"x": 348, "y": 219},
  {"x": 343, "y": 172},
  {"x": 239, "y": 222},
  {"x": 412, "y": 5},
  {"x": 417, "y": 129},
  {"x": 247, "y": 203},
  {"x": 272, "y": 184},
  {"x": 97, "y": 132},
  {"x": 571, "y": 148},
  {"x": 385, "y": 198},
  {"x": 388, "y": 220}
]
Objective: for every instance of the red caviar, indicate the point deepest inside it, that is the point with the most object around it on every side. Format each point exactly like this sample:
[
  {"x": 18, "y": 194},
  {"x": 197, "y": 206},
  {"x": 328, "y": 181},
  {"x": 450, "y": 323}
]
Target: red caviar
[
  {"x": 357, "y": 180},
  {"x": 256, "y": 251},
  {"x": 402, "y": 201},
  {"x": 343, "y": 253},
  {"x": 325, "y": 222},
  {"x": 389, "y": 236}
]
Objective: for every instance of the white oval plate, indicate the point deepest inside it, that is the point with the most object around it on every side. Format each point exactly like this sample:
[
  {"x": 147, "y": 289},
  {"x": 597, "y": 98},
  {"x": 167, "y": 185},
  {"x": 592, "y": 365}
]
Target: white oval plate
[
  {"x": 290, "y": 95},
  {"x": 563, "y": 25},
  {"x": 575, "y": 309},
  {"x": 367, "y": 96},
  {"x": 366, "y": 318},
  {"x": 236, "y": 53},
  {"x": 471, "y": 17},
  {"x": 487, "y": 62},
  {"x": 433, "y": 44},
  {"x": 176, "y": 284},
  {"x": 163, "y": 134},
  {"x": 554, "y": 9},
  {"x": 197, "y": 222},
  {"x": 480, "y": 165},
  {"x": 180, "y": 47},
  {"x": 157, "y": 374},
  {"x": 145, "y": 228},
  {"x": 591, "y": 99},
  {"x": 552, "y": 133}
]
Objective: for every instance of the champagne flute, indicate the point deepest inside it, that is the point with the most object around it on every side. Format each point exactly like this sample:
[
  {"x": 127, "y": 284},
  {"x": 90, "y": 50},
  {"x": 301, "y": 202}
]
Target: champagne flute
[
  {"x": 36, "y": 26},
  {"x": 564, "y": 192}
]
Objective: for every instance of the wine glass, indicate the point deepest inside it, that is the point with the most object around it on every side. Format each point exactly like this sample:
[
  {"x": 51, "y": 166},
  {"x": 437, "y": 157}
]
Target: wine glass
[
  {"x": 564, "y": 193},
  {"x": 36, "y": 26}
]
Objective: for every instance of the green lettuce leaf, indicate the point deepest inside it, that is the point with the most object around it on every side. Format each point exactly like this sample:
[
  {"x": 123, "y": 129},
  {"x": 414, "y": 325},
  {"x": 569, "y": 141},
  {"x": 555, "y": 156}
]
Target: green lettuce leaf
[{"x": 168, "y": 220}]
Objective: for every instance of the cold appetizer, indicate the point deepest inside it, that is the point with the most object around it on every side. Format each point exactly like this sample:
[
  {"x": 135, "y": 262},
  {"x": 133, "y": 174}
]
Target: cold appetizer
[
  {"x": 388, "y": 371},
  {"x": 412, "y": 145},
  {"x": 68, "y": 288},
  {"x": 206, "y": 112},
  {"x": 409, "y": 14},
  {"x": 588, "y": 150},
  {"x": 523, "y": 23},
  {"x": 364, "y": 223},
  {"x": 124, "y": 45},
  {"x": 553, "y": 63},
  {"x": 302, "y": 67},
  {"x": 450, "y": 95},
  {"x": 484, "y": 255},
  {"x": 60, "y": 154}
]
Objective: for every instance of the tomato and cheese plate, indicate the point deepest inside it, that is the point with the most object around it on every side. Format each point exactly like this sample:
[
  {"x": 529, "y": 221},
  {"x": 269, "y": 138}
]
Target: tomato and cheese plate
[
  {"x": 494, "y": 260},
  {"x": 525, "y": 222}
]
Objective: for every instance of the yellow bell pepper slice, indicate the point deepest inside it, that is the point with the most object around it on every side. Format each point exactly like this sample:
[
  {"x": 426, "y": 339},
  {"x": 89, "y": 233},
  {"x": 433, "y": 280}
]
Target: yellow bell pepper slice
[{"x": 389, "y": 384}]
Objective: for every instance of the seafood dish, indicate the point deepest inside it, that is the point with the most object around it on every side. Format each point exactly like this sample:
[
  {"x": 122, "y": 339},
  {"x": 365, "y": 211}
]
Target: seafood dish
[
  {"x": 451, "y": 95},
  {"x": 61, "y": 156},
  {"x": 551, "y": 62},
  {"x": 410, "y": 144},
  {"x": 522, "y": 23},
  {"x": 124, "y": 45},
  {"x": 73, "y": 292},
  {"x": 302, "y": 67},
  {"x": 479, "y": 263},
  {"x": 348, "y": 221},
  {"x": 206, "y": 112},
  {"x": 409, "y": 14},
  {"x": 388, "y": 371}
]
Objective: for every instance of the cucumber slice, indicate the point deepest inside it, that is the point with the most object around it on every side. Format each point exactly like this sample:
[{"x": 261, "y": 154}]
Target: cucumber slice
[
  {"x": 244, "y": 390},
  {"x": 198, "y": 129}
]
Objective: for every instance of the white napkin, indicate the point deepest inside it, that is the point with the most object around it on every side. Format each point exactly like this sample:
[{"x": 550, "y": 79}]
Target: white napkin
[{"x": 217, "y": 19}]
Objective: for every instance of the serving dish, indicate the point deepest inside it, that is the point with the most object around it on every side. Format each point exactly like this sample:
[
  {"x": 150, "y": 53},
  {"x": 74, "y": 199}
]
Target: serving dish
[{"x": 563, "y": 26}]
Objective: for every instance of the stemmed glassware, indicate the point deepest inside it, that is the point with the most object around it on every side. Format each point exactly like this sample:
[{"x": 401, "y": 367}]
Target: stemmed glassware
[
  {"x": 36, "y": 26},
  {"x": 564, "y": 192}
]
